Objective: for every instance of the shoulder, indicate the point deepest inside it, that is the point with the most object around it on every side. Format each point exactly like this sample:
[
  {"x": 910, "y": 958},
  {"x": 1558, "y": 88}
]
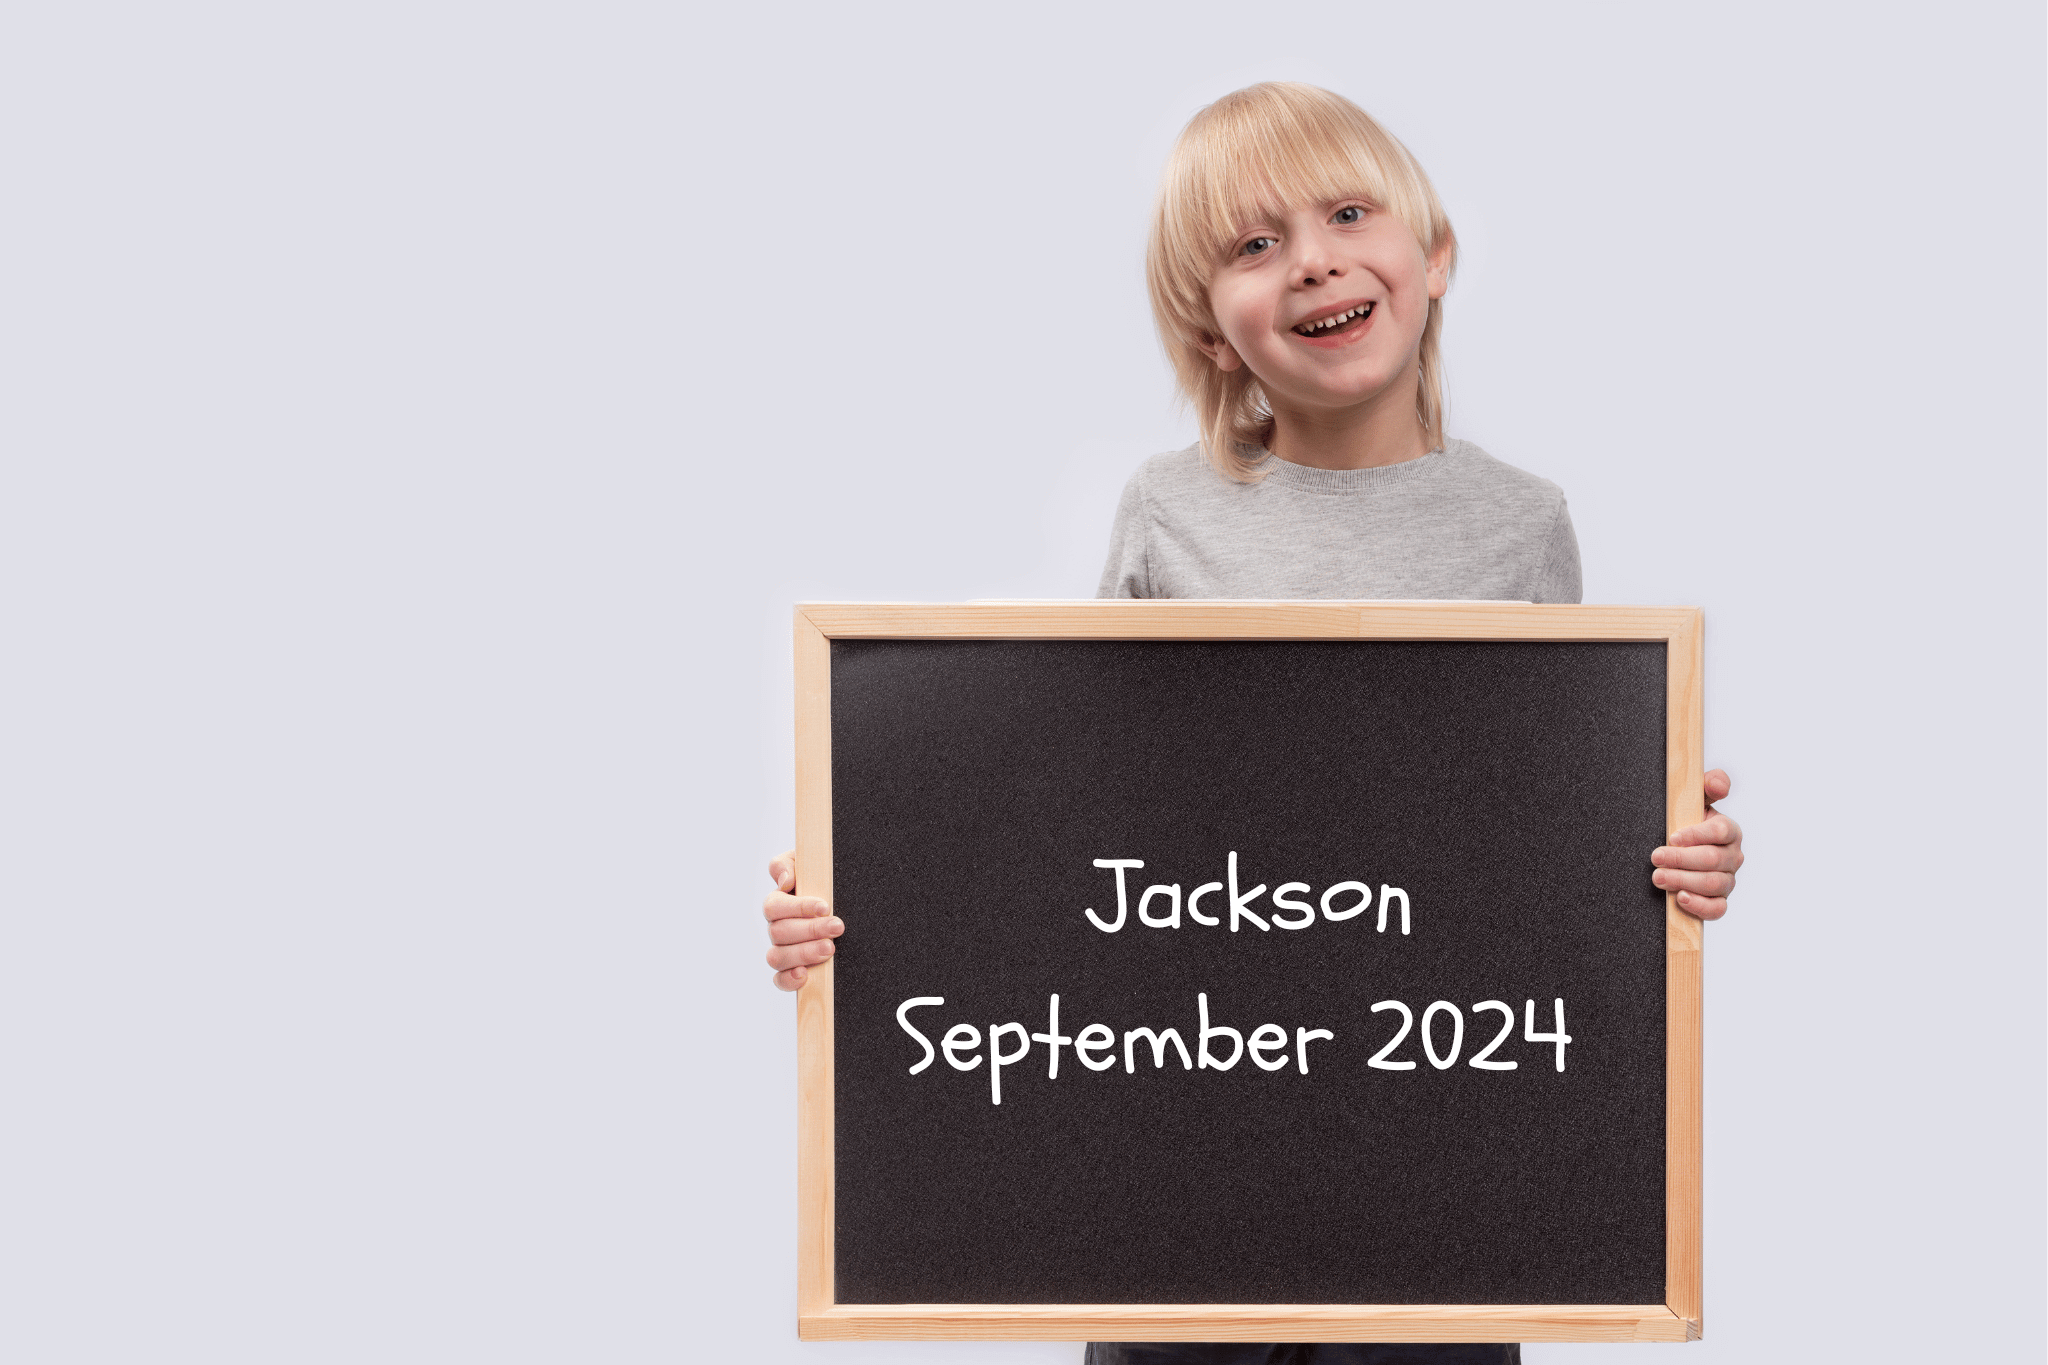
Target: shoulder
[
  {"x": 1177, "y": 473},
  {"x": 1469, "y": 487},
  {"x": 1468, "y": 468},
  {"x": 1174, "y": 485}
]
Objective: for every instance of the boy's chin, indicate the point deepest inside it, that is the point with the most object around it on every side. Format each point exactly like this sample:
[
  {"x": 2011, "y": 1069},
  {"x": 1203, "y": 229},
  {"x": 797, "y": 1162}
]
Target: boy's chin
[{"x": 1333, "y": 393}]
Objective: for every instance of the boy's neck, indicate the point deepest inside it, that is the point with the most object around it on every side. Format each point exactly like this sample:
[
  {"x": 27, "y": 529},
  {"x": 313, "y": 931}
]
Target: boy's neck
[{"x": 1368, "y": 436}]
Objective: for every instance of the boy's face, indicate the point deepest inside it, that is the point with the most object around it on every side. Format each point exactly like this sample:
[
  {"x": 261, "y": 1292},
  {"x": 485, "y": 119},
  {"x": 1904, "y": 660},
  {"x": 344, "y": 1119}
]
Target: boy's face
[{"x": 1285, "y": 278}]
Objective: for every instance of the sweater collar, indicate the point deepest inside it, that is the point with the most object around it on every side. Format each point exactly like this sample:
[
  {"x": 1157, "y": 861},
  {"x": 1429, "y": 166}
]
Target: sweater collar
[{"x": 1309, "y": 479}]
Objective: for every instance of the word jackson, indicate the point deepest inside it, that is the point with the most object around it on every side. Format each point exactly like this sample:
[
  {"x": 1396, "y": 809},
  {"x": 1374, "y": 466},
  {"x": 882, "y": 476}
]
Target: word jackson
[{"x": 1236, "y": 903}]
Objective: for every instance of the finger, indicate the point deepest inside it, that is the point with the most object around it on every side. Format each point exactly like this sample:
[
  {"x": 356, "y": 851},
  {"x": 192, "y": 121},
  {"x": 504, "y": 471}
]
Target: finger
[
  {"x": 1699, "y": 858},
  {"x": 800, "y": 955},
  {"x": 1698, "y": 883},
  {"x": 1704, "y": 907},
  {"x": 805, "y": 930},
  {"x": 782, "y": 871},
  {"x": 1718, "y": 786},
  {"x": 1715, "y": 829},
  {"x": 791, "y": 979},
  {"x": 780, "y": 906}
]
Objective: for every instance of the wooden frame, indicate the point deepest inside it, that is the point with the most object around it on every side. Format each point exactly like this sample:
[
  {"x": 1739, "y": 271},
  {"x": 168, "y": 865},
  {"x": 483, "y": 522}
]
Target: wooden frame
[{"x": 1678, "y": 1318}]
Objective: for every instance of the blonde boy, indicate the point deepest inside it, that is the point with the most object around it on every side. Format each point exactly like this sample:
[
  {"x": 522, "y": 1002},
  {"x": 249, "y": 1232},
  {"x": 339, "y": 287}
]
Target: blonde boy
[{"x": 1298, "y": 263}]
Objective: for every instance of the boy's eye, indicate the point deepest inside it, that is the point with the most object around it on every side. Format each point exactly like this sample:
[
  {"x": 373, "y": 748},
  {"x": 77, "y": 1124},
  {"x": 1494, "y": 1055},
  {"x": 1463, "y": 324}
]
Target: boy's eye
[
  {"x": 1258, "y": 245},
  {"x": 1347, "y": 215}
]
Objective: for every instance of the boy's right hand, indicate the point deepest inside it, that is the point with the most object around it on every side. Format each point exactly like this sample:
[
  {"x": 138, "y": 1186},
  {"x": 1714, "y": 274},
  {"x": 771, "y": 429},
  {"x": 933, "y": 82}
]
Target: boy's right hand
[{"x": 801, "y": 927}]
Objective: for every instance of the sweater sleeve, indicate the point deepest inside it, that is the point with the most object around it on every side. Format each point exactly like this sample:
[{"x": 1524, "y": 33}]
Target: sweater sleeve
[
  {"x": 1558, "y": 580},
  {"x": 1124, "y": 574}
]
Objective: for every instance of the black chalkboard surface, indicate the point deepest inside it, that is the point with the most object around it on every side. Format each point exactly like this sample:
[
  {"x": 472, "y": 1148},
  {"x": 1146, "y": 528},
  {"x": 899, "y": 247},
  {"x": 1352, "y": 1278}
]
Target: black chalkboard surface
[{"x": 1276, "y": 971}]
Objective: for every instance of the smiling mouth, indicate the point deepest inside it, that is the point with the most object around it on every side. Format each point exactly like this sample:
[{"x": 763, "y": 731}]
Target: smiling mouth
[{"x": 1336, "y": 322}]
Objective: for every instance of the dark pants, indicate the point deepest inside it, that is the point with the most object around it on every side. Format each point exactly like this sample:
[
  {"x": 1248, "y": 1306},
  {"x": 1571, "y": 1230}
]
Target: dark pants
[{"x": 1326, "y": 1353}]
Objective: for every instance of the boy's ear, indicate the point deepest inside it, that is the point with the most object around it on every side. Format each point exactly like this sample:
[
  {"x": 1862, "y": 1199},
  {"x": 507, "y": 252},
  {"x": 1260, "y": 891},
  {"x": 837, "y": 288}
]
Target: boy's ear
[
  {"x": 1439, "y": 274},
  {"x": 1222, "y": 352}
]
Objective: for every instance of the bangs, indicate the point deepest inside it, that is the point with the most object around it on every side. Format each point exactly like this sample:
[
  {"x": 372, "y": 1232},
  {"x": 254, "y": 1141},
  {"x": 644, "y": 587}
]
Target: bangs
[{"x": 1249, "y": 170}]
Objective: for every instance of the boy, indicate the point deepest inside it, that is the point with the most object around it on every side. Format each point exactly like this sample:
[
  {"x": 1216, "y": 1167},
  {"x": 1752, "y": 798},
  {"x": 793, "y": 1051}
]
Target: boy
[{"x": 1297, "y": 264}]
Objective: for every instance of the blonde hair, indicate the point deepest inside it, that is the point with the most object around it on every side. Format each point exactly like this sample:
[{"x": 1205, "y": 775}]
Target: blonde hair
[{"x": 1253, "y": 154}]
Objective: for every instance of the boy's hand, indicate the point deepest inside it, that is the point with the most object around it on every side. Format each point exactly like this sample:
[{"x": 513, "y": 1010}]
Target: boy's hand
[
  {"x": 801, "y": 928},
  {"x": 1700, "y": 861}
]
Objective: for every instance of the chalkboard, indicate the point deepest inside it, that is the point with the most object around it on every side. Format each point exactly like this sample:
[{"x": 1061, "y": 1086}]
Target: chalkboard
[{"x": 1267, "y": 971}]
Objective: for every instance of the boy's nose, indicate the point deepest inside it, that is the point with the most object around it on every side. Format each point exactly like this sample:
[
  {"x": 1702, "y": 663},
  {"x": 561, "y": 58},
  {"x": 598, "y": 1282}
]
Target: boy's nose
[{"x": 1316, "y": 279}]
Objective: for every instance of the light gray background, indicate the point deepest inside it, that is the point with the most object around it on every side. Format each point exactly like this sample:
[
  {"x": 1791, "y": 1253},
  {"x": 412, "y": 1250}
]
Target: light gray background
[{"x": 418, "y": 420}]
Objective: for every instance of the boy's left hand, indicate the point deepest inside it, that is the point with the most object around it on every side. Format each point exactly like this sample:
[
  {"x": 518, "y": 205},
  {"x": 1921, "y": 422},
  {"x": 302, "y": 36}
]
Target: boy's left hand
[{"x": 1700, "y": 861}]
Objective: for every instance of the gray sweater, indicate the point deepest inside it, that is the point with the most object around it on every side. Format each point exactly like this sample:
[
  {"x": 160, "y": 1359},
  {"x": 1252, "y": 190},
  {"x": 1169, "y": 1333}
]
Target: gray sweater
[{"x": 1454, "y": 524}]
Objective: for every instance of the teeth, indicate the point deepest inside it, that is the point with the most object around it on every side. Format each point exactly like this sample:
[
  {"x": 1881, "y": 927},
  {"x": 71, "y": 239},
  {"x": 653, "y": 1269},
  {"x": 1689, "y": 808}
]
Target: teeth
[{"x": 1324, "y": 324}]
